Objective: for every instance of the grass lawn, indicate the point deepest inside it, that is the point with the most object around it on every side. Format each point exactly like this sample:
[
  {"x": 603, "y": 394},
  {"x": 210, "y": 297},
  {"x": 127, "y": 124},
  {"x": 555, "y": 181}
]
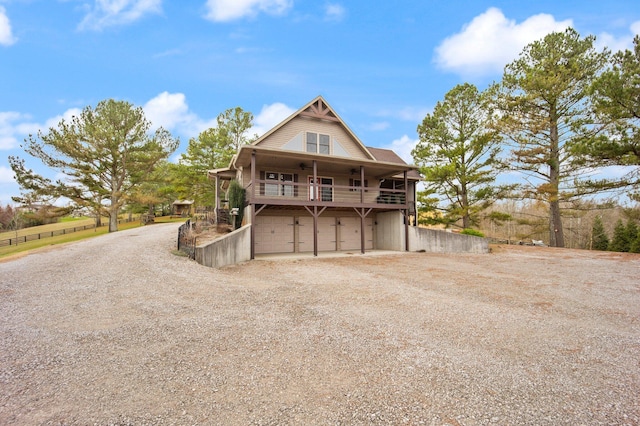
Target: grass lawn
[
  {"x": 24, "y": 248},
  {"x": 43, "y": 229}
]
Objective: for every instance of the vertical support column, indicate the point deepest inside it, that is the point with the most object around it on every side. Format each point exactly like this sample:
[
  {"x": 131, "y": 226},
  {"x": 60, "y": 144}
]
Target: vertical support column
[
  {"x": 316, "y": 196},
  {"x": 216, "y": 201},
  {"x": 253, "y": 177},
  {"x": 362, "y": 224},
  {"x": 252, "y": 205},
  {"x": 362, "y": 184},
  {"x": 406, "y": 211},
  {"x": 362, "y": 231},
  {"x": 315, "y": 231}
]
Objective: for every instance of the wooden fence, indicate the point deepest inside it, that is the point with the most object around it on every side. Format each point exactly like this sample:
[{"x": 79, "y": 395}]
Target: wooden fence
[{"x": 21, "y": 239}]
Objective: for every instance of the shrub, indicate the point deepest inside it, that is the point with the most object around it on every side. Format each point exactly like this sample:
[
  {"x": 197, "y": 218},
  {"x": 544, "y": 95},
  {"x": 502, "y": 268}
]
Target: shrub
[
  {"x": 635, "y": 245},
  {"x": 620, "y": 241},
  {"x": 599, "y": 236},
  {"x": 474, "y": 232},
  {"x": 236, "y": 201}
]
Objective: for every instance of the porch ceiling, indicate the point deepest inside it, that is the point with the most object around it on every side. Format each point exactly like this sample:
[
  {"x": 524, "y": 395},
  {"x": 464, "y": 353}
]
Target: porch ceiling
[{"x": 327, "y": 164}]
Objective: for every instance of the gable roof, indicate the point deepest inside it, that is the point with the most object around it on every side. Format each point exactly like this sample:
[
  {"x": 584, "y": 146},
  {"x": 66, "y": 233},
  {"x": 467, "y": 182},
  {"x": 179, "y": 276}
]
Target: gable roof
[
  {"x": 390, "y": 156},
  {"x": 386, "y": 155},
  {"x": 318, "y": 108}
]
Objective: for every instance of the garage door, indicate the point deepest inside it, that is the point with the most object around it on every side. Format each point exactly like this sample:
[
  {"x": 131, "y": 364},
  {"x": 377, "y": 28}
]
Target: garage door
[
  {"x": 305, "y": 234},
  {"x": 274, "y": 234},
  {"x": 350, "y": 233},
  {"x": 326, "y": 234}
]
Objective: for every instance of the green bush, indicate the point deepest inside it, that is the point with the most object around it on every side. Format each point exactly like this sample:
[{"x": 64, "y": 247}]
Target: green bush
[
  {"x": 620, "y": 241},
  {"x": 600, "y": 238},
  {"x": 474, "y": 232},
  {"x": 236, "y": 201}
]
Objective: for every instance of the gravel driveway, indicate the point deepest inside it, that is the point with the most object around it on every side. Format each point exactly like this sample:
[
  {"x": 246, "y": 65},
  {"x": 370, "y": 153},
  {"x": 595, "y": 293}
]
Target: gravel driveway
[{"x": 118, "y": 330}]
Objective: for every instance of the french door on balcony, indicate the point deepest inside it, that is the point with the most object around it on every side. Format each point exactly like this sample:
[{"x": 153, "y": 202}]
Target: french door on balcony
[{"x": 324, "y": 188}]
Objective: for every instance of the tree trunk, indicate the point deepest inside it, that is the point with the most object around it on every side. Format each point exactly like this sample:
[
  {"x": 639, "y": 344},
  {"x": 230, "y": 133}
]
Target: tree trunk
[
  {"x": 466, "y": 218},
  {"x": 113, "y": 214},
  {"x": 556, "y": 234},
  {"x": 113, "y": 222}
]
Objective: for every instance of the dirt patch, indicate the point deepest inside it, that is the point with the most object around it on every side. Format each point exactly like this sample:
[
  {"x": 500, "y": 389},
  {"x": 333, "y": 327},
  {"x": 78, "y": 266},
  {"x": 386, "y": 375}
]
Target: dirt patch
[{"x": 206, "y": 233}]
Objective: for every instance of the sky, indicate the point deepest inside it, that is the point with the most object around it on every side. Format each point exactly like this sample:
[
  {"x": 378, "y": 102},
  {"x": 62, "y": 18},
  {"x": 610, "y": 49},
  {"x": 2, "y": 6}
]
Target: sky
[{"x": 382, "y": 66}]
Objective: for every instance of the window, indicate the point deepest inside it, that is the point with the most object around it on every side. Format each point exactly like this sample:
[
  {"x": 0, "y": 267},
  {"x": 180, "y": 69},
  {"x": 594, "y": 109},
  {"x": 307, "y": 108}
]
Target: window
[
  {"x": 271, "y": 189},
  {"x": 324, "y": 144},
  {"x": 325, "y": 190},
  {"x": 286, "y": 190},
  {"x": 282, "y": 184},
  {"x": 312, "y": 142},
  {"x": 318, "y": 143},
  {"x": 356, "y": 183}
]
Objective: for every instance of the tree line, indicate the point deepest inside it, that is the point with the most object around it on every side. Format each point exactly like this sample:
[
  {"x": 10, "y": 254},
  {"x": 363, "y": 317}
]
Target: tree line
[{"x": 561, "y": 112}]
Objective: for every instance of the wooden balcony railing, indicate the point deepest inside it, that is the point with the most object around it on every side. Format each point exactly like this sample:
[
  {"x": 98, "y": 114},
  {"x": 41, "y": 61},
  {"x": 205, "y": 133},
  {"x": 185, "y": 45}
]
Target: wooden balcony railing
[{"x": 296, "y": 193}]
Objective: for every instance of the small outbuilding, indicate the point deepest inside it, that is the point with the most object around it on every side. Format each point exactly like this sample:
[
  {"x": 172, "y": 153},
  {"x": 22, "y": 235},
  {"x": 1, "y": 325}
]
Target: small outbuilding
[{"x": 182, "y": 208}]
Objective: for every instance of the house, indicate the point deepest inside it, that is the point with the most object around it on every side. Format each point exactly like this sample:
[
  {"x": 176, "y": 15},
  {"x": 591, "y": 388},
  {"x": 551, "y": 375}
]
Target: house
[{"x": 312, "y": 186}]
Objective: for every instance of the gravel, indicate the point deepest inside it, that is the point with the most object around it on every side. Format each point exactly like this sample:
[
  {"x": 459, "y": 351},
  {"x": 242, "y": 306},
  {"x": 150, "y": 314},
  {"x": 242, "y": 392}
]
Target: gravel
[{"x": 119, "y": 330}]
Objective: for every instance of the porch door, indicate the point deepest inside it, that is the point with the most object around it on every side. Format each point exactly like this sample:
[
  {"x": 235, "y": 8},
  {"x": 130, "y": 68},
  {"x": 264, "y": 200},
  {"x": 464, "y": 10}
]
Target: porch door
[{"x": 324, "y": 189}]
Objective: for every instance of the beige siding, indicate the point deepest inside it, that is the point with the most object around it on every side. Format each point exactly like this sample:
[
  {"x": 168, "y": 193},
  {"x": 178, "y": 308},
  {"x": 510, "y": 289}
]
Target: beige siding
[{"x": 301, "y": 124}]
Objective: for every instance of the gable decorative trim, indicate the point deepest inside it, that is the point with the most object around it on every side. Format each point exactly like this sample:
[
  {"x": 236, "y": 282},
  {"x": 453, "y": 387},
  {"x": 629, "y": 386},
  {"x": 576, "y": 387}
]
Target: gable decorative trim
[{"x": 319, "y": 109}]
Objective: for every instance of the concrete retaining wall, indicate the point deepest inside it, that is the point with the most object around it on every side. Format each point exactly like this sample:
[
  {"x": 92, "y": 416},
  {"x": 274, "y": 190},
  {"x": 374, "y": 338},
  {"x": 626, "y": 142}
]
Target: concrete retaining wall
[
  {"x": 389, "y": 231},
  {"x": 435, "y": 241},
  {"x": 230, "y": 249}
]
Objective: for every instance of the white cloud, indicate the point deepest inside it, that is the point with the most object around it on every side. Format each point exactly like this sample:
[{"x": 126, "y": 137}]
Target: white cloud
[
  {"x": 269, "y": 117},
  {"x": 170, "y": 110},
  {"x": 66, "y": 116},
  {"x": 615, "y": 44},
  {"x": 6, "y": 37},
  {"x": 403, "y": 147},
  {"x": 6, "y": 175},
  {"x": 229, "y": 10},
  {"x": 14, "y": 125},
  {"x": 334, "y": 12},
  {"x": 490, "y": 41},
  {"x": 107, "y": 13}
]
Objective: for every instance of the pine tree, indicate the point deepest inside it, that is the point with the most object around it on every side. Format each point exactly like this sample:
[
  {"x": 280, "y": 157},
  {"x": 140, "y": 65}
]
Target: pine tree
[
  {"x": 600, "y": 240},
  {"x": 620, "y": 240},
  {"x": 632, "y": 232},
  {"x": 458, "y": 153},
  {"x": 544, "y": 110},
  {"x": 105, "y": 152},
  {"x": 635, "y": 245}
]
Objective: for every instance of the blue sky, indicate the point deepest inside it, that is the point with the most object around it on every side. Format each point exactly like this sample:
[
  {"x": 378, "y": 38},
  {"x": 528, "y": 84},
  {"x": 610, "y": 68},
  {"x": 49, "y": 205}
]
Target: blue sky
[{"x": 381, "y": 65}]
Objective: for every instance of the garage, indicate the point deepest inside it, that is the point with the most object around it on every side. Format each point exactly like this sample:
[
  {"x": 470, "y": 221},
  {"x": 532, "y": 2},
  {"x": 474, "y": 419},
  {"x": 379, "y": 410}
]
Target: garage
[
  {"x": 350, "y": 233},
  {"x": 274, "y": 234},
  {"x": 286, "y": 234},
  {"x": 326, "y": 234}
]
